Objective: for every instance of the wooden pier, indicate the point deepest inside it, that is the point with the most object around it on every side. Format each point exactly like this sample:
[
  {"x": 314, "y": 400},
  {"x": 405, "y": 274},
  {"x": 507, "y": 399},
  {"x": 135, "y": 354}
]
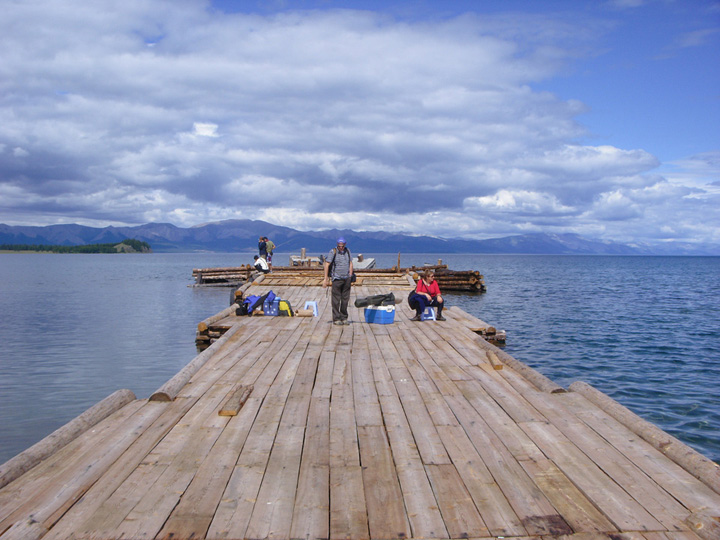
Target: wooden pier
[{"x": 294, "y": 428}]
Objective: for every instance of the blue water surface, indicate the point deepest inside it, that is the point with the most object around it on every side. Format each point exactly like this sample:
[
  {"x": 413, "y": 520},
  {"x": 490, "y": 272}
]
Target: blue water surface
[{"x": 645, "y": 330}]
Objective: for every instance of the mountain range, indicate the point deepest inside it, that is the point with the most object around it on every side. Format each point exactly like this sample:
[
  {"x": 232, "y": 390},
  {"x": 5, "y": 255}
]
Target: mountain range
[{"x": 241, "y": 235}]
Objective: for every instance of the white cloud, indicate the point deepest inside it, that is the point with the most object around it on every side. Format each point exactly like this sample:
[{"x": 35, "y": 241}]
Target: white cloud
[
  {"x": 310, "y": 119},
  {"x": 205, "y": 130},
  {"x": 519, "y": 203}
]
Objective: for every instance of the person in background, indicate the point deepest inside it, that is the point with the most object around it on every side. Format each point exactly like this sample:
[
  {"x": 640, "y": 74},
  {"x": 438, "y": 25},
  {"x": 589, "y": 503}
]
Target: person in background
[
  {"x": 261, "y": 265},
  {"x": 338, "y": 268},
  {"x": 269, "y": 248},
  {"x": 427, "y": 293},
  {"x": 262, "y": 247}
]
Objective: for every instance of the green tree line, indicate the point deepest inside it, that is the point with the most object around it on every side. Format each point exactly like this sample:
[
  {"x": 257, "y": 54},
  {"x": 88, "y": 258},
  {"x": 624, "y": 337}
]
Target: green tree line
[{"x": 137, "y": 245}]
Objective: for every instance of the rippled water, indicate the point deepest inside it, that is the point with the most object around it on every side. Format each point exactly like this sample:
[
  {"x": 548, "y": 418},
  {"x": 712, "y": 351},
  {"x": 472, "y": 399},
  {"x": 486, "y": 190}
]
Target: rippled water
[{"x": 645, "y": 330}]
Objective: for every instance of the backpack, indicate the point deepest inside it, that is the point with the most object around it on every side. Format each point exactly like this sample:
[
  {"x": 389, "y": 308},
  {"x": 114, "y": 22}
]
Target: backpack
[
  {"x": 285, "y": 309},
  {"x": 412, "y": 303},
  {"x": 245, "y": 308}
]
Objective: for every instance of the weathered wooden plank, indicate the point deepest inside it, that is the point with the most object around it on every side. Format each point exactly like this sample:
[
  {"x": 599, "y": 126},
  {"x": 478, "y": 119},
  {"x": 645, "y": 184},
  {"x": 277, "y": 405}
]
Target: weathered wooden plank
[
  {"x": 490, "y": 501},
  {"x": 139, "y": 504},
  {"x": 273, "y": 511},
  {"x": 527, "y": 500},
  {"x": 423, "y": 430},
  {"x": 580, "y": 513},
  {"x": 236, "y": 400},
  {"x": 422, "y": 509},
  {"x": 236, "y": 507},
  {"x": 150, "y": 513},
  {"x": 312, "y": 502},
  {"x": 367, "y": 406},
  {"x": 461, "y": 517},
  {"x": 195, "y": 511},
  {"x": 438, "y": 408},
  {"x": 348, "y": 510},
  {"x": 386, "y": 512},
  {"x": 623, "y": 472},
  {"x": 624, "y": 511},
  {"x": 501, "y": 421},
  {"x": 344, "y": 450}
]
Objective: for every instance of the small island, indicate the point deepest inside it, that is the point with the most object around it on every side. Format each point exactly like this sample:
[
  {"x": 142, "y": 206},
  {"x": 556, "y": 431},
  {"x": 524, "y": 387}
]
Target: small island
[{"x": 126, "y": 246}]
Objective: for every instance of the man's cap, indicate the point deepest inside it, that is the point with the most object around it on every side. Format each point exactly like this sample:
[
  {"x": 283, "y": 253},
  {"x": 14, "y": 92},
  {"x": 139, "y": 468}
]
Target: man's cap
[{"x": 341, "y": 240}]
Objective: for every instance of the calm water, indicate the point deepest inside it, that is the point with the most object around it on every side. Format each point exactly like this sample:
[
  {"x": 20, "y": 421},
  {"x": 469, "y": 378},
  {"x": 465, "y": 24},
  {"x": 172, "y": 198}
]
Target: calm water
[{"x": 645, "y": 330}]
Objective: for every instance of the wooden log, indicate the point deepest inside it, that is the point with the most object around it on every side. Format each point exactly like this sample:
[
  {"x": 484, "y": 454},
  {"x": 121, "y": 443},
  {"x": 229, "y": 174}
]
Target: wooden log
[
  {"x": 170, "y": 390},
  {"x": 23, "y": 462},
  {"x": 236, "y": 400},
  {"x": 226, "y": 269},
  {"x": 692, "y": 461},
  {"x": 454, "y": 278},
  {"x": 305, "y": 313},
  {"x": 427, "y": 267},
  {"x": 203, "y": 326}
]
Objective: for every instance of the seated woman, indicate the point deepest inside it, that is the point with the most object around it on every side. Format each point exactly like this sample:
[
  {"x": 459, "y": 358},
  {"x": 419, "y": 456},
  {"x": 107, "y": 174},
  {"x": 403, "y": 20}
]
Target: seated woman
[{"x": 427, "y": 293}]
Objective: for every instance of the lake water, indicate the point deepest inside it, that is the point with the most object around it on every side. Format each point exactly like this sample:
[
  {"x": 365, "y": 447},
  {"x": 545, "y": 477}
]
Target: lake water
[{"x": 645, "y": 330}]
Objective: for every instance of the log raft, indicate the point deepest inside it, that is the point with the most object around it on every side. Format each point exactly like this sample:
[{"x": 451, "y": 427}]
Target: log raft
[
  {"x": 292, "y": 427},
  {"x": 448, "y": 280}
]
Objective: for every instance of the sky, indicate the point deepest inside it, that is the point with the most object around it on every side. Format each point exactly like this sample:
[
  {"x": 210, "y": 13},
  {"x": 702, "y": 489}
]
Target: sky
[{"x": 474, "y": 119}]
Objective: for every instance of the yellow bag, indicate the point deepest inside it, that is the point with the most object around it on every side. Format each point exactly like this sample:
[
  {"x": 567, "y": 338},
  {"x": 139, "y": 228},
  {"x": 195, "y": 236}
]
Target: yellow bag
[{"x": 285, "y": 309}]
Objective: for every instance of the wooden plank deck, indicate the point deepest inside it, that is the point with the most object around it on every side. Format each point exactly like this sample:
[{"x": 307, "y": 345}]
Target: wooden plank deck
[{"x": 363, "y": 431}]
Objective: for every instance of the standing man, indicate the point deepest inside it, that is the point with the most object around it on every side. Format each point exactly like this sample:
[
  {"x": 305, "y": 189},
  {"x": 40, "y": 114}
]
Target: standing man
[
  {"x": 270, "y": 248},
  {"x": 262, "y": 247},
  {"x": 339, "y": 269}
]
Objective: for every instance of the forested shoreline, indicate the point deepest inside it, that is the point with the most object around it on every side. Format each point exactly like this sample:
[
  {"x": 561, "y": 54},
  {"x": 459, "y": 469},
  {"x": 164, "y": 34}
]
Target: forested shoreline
[{"x": 126, "y": 246}]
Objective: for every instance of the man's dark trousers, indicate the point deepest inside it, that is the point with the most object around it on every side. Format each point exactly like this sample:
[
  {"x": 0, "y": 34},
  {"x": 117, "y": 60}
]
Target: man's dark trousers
[{"x": 340, "y": 298}]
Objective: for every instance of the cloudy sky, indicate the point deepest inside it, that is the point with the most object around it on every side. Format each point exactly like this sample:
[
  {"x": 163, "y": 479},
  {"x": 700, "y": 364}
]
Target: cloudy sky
[{"x": 455, "y": 118}]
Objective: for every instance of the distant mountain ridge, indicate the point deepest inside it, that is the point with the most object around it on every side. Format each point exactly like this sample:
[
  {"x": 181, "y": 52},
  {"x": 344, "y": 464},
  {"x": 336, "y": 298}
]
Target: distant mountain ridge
[{"x": 241, "y": 235}]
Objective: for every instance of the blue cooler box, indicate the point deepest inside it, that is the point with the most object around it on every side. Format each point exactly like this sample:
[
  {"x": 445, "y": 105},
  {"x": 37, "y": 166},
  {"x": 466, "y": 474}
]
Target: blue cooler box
[
  {"x": 272, "y": 308},
  {"x": 380, "y": 314}
]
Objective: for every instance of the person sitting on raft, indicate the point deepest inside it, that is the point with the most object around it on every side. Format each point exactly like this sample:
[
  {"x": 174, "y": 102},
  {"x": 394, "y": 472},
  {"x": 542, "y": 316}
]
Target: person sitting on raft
[
  {"x": 261, "y": 265},
  {"x": 427, "y": 293}
]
